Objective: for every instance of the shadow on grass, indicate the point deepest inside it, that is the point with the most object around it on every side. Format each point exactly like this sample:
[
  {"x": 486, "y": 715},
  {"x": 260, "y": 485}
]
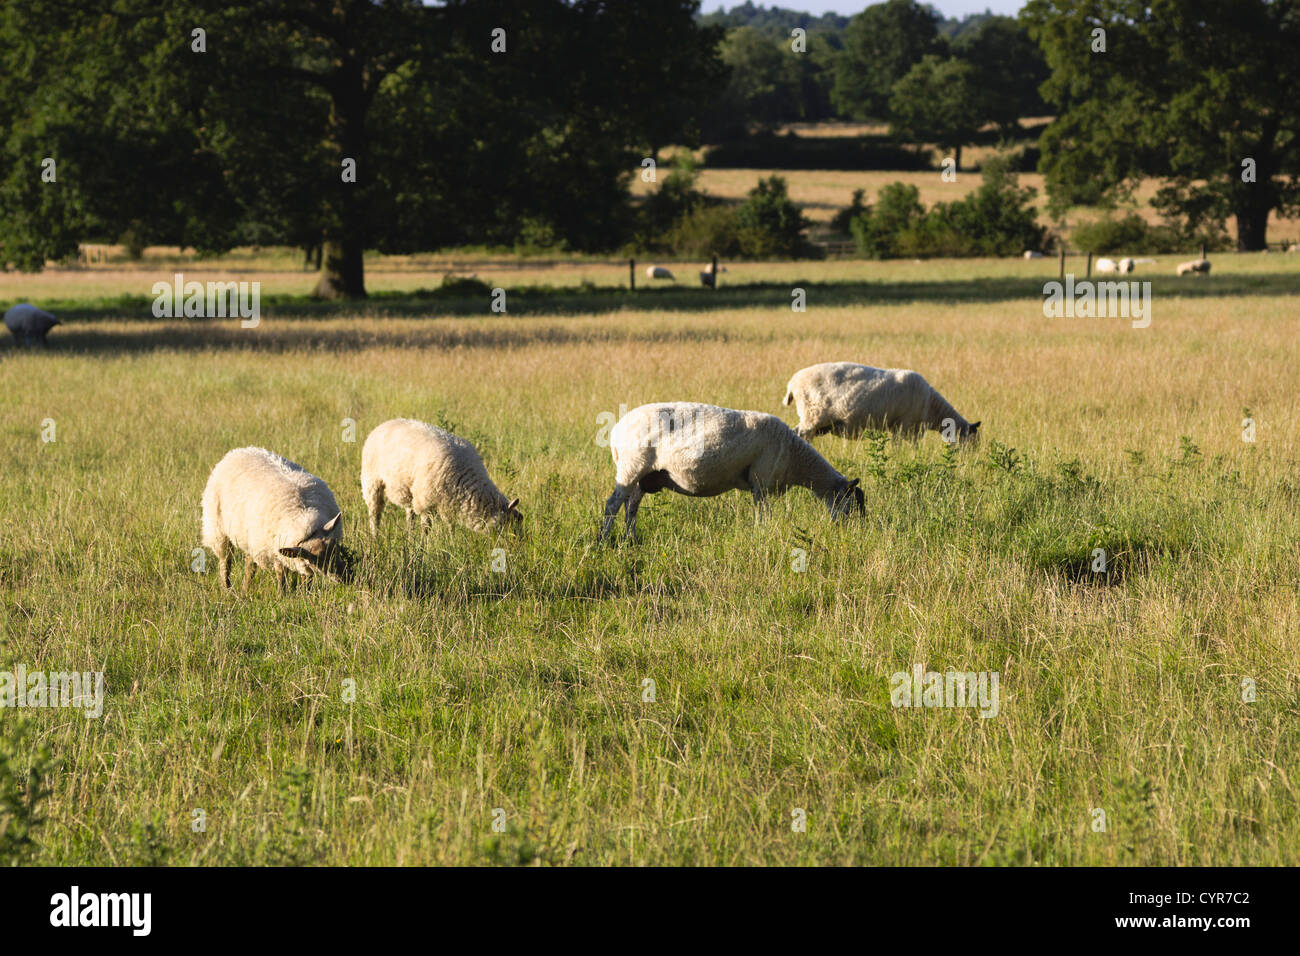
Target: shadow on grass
[{"x": 277, "y": 331}]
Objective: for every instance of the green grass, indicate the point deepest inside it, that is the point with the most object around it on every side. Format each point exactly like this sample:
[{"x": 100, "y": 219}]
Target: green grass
[{"x": 523, "y": 690}]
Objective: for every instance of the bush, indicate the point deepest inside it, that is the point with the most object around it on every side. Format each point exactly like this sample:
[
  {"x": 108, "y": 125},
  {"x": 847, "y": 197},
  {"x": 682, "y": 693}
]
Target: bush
[
  {"x": 706, "y": 231},
  {"x": 464, "y": 285},
  {"x": 769, "y": 224},
  {"x": 674, "y": 200},
  {"x": 880, "y": 230},
  {"x": 995, "y": 220},
  {"x": 1134, "y": 234},
  {"x": 842, "y": 221}
]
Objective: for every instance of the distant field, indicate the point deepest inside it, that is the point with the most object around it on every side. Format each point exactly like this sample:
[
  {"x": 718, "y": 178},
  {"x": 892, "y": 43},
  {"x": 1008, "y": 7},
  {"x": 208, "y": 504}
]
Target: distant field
[
  {"x": 521, "y": 697},
  {"x": 279, "y": 272}
]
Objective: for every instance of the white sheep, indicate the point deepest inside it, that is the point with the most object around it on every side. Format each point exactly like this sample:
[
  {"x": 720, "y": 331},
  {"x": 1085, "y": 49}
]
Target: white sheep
[
  {"x": 427, "y": 470},
  {"x": 281, "y": 516},
  {"x": 658, "y": 272},
  {"x": 1106, "y": 265},
  {"x": 1128, "y": 265},
  {"x": 1195, "y": 267},
  {"x": 29, "y": 324},
  {"x": 847, "y": 398},
  {"x": 704, "y": 450},
  {"x": 1033, "y": 254}
]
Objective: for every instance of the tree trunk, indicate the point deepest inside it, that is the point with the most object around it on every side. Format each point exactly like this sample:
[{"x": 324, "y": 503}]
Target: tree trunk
[
  {"x": 1252, "y": 228},
  {"x": 342, "y": 271},
  {"x": 342, "y": 274},
  {"x": 956, "y": 158}
]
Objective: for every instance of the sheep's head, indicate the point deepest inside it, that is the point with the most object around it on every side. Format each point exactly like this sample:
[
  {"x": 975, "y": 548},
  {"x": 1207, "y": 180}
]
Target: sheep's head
[
  {"x": 847, "y": 498},
  {"x": 321, "y": 552},
  {"x": 970, "y": 434},
  {"x": 511, "y": 517}
]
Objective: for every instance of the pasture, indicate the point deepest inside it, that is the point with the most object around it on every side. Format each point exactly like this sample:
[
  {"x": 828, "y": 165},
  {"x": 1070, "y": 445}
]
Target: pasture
[{"x": 396, "y": 719}]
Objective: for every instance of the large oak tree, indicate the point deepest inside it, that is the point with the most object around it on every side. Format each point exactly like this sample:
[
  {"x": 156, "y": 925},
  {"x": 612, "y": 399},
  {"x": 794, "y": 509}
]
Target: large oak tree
[{"x": 1201, "y": 93}]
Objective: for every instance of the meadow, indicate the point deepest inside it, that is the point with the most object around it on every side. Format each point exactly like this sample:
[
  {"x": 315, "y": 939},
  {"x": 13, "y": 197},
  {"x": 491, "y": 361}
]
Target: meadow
[{"x": 690, "y": 698}]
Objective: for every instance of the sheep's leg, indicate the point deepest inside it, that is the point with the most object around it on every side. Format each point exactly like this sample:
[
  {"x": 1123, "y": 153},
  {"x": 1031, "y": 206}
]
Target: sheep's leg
[
  {"x": 249, "y": 567},
  {"x": 616, "y": 501},
  {"x": 221, "y": 548},
  {"x": 633, "y": 503},
  {"x": 279, "y": 578},
  {"x": 374, "y": 496}
]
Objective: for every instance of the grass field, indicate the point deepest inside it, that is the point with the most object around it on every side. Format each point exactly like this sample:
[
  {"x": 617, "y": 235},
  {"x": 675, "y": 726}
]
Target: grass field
[{"x": 519, "y": 697}]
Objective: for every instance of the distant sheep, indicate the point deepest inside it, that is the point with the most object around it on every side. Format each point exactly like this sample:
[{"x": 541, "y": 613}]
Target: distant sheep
[
  {"x": 658, "y": 272},
  {"x": 29, "y": 324},
  {"x": 1128, "y": 265},
  {"x": 707, "y": 278},
  {"x": 847, "y": 398},
  {"x": 1033, "y": 254},
  {"x": 704, "y": 450},
  {"x": 429, "y": 471},
  {"x": 1106, "y": 265},
  {"x": 282, "y": 517},
  {"x": 1194, "y": 267}
]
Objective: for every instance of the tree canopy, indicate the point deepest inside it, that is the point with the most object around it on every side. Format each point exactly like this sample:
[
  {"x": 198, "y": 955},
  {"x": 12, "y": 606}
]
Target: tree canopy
[
  {"x": 346, "y": 123},
  {"x": 1197, "y": 92}
]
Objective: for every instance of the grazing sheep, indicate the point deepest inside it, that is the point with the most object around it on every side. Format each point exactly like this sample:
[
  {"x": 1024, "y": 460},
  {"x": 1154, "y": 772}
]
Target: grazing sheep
[
  {"x": 658, "y": 272},
  {"x": 1128, "y": 265},
  {"x": 1106, "y": 265},
  {"x": 29, "y": 324},
  {"x": 847, "y": 398},
  {"x": 1033, "y": 254},
  {"x": 282, "y": 517},
  {"x": 427, "y": 470},
  {"x": 1195, "y": 267},
  {"x": 704, "y": 450}
]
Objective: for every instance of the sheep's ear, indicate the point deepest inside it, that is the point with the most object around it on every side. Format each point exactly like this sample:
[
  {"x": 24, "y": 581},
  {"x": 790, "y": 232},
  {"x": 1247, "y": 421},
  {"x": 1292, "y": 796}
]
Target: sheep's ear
[
  {"x": 328, "y": 526},
  {"x": 974, "y": 428},
  {"x": 294, "y": 552},
  {"x": 855, "y": 482},
  {"x": 513, "y": 505}
]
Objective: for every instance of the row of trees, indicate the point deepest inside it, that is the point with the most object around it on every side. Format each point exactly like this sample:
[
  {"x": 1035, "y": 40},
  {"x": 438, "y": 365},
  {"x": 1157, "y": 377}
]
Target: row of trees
[
  {"x": 392, "y": 125},
  {"x": 347, "y": 124},
  {"x": 897, "y": 61}
]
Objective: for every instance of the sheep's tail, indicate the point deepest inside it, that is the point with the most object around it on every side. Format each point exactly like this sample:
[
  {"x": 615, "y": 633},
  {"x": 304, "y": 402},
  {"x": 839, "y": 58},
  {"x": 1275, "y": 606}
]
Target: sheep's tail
[{"x": 789, "y": 396}]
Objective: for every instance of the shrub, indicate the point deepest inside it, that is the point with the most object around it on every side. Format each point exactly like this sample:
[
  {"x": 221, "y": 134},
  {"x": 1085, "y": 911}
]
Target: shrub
[
  {"x": 995, "y": 220},
  {"x": 674, "y": 200},
  {"x": 842, "y": 221},
  {"x": 879, "y": 228},
  {"x": 1132, "y": 233},
  {"x": 769, "y": 224},
  {"x": 708, "y": 230}
]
